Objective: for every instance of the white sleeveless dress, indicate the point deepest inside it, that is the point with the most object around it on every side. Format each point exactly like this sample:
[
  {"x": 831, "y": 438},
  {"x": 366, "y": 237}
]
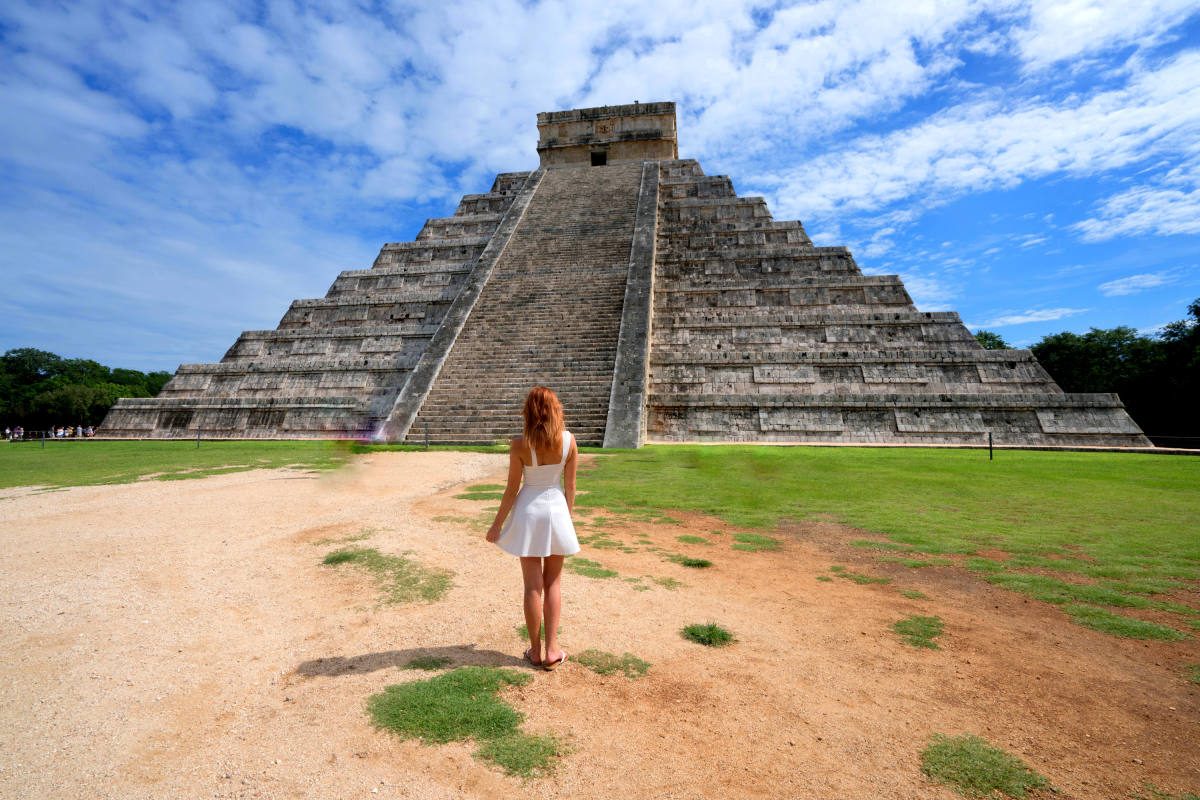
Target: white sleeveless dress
[{"x": 540, "y": 524}]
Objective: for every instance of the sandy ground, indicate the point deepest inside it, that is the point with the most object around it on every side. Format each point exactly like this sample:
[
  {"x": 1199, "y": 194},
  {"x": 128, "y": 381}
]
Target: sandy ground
[{"x": 181, "y": 639}]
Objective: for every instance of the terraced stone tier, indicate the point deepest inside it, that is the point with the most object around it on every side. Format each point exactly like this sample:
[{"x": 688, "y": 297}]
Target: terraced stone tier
[{"x": 1097, "y": 420}]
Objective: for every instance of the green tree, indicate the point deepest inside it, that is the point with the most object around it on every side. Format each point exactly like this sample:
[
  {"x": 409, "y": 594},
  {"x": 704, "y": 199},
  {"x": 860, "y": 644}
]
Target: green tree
[
  {"x": 990, "y": 340},
  {"x": 1157, "y": 377},
  {"x": 39, "y": 389}
]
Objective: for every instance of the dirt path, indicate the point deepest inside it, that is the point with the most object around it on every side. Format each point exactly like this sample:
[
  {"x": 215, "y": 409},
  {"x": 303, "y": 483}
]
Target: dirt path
[{"x": 181, "y": 639}]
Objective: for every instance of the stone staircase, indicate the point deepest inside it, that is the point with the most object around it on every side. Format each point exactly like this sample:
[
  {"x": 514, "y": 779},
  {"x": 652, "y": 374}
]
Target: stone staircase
[{"x": 550, "y": 314}]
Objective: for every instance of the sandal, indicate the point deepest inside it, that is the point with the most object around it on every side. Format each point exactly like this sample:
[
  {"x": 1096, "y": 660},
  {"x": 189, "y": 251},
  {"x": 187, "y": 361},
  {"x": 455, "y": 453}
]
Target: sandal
[
  {"x": 550, "y": 666},
  {"x": 529, "y": 657}
]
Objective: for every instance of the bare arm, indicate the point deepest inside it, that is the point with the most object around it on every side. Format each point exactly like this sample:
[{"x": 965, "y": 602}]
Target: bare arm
[
  {"x": 510, "y": 491},
  {"x": 569, "y": 476}
]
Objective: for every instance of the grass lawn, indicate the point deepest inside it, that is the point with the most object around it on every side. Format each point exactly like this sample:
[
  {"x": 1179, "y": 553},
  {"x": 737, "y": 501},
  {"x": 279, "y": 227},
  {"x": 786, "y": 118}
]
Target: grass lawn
[
  {"x": 1081, "y": 530},
  {"x": 85, "y": 463}
]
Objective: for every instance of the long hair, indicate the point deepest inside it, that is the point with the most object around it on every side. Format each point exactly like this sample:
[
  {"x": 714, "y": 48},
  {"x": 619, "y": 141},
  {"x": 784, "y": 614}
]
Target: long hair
[{"x": 543, "y": 414}]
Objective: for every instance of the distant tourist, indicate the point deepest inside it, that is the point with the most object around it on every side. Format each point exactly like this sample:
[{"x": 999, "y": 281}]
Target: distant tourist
[
  {"x": 540, "y": 530},
  {"x": 8, "y": 434}
]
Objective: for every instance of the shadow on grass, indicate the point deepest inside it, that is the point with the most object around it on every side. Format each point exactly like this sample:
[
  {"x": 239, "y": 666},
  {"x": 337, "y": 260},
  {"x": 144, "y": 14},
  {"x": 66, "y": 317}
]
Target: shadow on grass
[{"x": 461, "y": 655}]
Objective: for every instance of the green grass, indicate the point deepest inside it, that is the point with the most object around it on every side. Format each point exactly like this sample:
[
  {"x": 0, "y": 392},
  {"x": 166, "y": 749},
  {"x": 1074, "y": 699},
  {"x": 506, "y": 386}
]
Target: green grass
[
  {"x": 462, "y": 704},
  {"x": 913, "y": 594},
  {"x": 1192, "y": 671},
  {"x": 871, "y": 544},
  {"x": 1040, "y": 509},
  {"x": 859, "y": 578},
  {"x": 753, "y": 542},
  {"x": 1154, "y": 793},
  {"x": 480, "y": 496},
  {"x": 918, "y": 563},
  {"x": 709, "y": 634},
  {"x": 919, "y": 631},
  {"x": 688, "y": 538},
  {"x": 588, "y": 568},
  {"x": 88, "y": 463},
  {"x": 428, "y": 663},
  {"x": 604, "y": 663},
  {"x": 401, "y": 579},
  {"x": 1119, "y": 625},
  {"x": 825, "y": 579},
  {"x": 669, "y": 584},
  {"x": 523, "y": 631},
  {"x": 688, "y": 561},
  {"x": 973, "y": 768}
]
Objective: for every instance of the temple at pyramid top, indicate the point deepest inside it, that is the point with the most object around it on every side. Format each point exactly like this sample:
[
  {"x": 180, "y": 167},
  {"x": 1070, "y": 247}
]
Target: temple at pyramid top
[
  {"x": 658, "y": 302},
  {"x": 607, "y": 135}
]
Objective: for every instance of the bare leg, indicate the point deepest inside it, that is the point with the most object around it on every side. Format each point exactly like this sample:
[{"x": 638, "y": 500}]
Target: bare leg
[
  {"x": 531, "y": 574},
  {"x": 552, "y": 567}
]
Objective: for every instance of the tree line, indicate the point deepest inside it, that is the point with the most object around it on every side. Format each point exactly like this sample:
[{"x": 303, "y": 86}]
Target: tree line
[
  {"x": 40, "y": 390},
  {"x": 1157, "y": 376}
]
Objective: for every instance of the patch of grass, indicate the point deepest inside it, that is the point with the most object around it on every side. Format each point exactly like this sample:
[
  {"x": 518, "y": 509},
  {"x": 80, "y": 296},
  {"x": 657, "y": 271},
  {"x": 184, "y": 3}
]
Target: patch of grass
[
  {"x": 871, "y": 544},
  {"x": 522, "y": 754},
  {"x": 858, "y": 577},
  {"x": 1118, "y": 625},
  {"x": 1193, "y": 672},
  {"x": 709, "y": 634},
  {"x": 428, "y": 663},
  {"x": 358, "y": 537},
  {"x": 668, "y": 583},
  {"x": 1154, "y": 793},
  {"x": 918, "y": 563},
  {"x": 462, "y": 704},
  {"x": 688, "y": 538},
  {"x": 754, "y": 543},
  {"x": 837, "y": 568},
  {"x": 688, "y": 561},
  {"x": 1059, "y": 592},
  {"x": 919, "y": 631},
  {"x": 825, "y": 578},
  {"x": 523, "y": 631},
  {"x": 480, "y": 496},
  {"x": 588, "y": 568},
  {"x": 973, "y": 768},
  {"x": 913, "y": 594},
  {"x": 604, "y": 663},
  {"x": 90, "y": 462},
  {"x": 401, "y": 579}
]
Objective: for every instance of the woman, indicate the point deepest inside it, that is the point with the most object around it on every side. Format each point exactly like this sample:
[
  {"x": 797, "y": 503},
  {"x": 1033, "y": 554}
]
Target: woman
[{"x": 540, "y": 530}]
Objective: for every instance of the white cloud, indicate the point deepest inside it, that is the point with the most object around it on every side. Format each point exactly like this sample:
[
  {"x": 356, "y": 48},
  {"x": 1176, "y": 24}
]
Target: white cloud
[
  {"x": 1134, "y": 284},
  {"x": 1057, "y": 30},
  {"x": 1162, "y": 210},
  {"x": 1024, "y": 317},
  {"x": 992, "y": 144}
]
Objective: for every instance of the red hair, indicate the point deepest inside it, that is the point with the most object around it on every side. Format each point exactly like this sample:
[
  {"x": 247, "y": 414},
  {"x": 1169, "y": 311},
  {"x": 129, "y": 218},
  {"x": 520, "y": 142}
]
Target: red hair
[{"x": 543, "y": 414}]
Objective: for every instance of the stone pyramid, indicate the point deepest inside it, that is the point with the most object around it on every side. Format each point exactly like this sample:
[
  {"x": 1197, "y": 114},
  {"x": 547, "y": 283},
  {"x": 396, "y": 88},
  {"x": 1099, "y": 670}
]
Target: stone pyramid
[{"x": 657, "y": 302}]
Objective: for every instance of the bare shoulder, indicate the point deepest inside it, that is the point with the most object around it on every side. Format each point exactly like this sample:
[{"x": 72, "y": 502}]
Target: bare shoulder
[{"x": 516, "y": 446}]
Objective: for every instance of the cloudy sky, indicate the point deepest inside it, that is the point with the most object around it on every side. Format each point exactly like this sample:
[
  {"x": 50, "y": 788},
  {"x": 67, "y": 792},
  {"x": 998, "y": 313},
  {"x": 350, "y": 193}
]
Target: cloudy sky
[{"x": 173, "y": 173}]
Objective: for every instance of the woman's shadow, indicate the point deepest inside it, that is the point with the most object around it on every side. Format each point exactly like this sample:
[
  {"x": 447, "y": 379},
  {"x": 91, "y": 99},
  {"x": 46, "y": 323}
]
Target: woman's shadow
[{"x": 461, "y": 655}]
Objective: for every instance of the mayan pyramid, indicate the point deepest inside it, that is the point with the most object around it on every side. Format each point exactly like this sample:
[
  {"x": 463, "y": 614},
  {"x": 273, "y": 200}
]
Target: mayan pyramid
[{"x": 657, "y": 302}]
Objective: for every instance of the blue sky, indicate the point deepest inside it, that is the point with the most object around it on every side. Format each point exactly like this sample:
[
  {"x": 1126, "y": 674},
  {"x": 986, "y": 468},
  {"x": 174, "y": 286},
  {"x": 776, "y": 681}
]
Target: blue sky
[{"x": 174, "y": 173}]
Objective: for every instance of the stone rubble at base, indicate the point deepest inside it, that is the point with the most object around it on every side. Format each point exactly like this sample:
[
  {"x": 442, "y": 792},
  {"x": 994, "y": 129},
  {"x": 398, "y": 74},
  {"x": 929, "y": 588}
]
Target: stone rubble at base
[{"x": 658, "y": 303}]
